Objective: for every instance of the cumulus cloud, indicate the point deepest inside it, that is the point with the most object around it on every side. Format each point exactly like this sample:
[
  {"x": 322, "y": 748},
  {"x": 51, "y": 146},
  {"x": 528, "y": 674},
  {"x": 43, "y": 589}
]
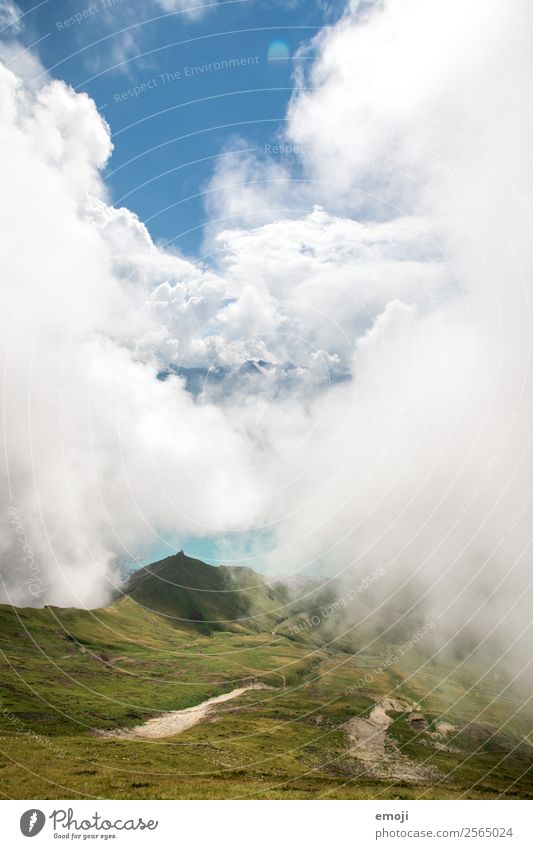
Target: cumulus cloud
[
  {"x": 441, "y": 419},
  {"x": 405, "y": 116},
  {"x": 111, "y": 456},
  {"x": 92, "y": 437}
]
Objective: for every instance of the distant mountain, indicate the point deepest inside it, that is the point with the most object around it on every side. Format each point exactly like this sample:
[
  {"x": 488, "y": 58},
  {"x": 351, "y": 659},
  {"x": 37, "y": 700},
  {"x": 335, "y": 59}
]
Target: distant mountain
[
  {"x": 207, "y": 597},
  {"x": 278, "y": 377}
]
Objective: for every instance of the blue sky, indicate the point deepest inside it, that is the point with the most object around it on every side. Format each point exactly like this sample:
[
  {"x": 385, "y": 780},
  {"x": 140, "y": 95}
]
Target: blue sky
[{"x": 170, "y": 112}]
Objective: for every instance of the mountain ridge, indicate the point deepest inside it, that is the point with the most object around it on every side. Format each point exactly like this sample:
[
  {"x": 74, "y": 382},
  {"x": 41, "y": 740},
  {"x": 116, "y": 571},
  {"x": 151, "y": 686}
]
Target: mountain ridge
[{"x": 192, "y": 592}]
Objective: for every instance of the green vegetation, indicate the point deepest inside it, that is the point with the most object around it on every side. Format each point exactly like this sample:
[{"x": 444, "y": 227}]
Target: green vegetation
[
  {"x": 183, "y": 632},
  {"x": 187, "y": 591}
]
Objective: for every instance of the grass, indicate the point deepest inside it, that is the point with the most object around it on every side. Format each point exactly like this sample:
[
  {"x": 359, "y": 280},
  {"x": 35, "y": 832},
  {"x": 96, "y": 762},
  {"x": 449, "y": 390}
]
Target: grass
[{"x": 68, "y": 673}]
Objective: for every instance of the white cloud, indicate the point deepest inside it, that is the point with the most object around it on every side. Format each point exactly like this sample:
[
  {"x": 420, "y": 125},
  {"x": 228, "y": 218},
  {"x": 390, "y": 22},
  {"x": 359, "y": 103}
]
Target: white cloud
[
  {"x": 437, "y": 92},
  {"x": 109, "y": 456},
  {"x": 191, "y": 7},
  {"x": 10, "y": 17},
  {"x": 413, "y": 115},
  {"x": 101, "y": 454}
]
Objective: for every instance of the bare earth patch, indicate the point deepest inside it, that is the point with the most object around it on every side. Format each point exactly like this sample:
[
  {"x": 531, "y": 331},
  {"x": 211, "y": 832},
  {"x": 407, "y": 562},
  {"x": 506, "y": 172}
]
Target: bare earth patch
[
  {"x": 177, "y": 721},
  {"x": 378, "y": 754}
]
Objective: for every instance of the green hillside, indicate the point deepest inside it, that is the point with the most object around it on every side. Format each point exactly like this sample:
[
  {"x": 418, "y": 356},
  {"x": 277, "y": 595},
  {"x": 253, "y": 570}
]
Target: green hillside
[
  {"x": 191, "y": 593},
  {"x": 183, "y": 632}
]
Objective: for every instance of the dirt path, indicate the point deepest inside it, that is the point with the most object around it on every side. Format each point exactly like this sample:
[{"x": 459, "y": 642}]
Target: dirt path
[{"x": 176, "y": 721}]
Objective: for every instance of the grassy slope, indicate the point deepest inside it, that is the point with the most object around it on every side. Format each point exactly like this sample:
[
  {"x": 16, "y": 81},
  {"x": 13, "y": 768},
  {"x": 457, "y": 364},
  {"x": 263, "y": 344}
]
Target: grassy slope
[
  {"x": 188, "y": 592},
  {"x": 68, "y": 672}
]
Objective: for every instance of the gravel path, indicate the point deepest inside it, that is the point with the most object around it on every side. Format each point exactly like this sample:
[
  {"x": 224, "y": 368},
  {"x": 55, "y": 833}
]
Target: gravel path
[{"x": 176, "y": 721}]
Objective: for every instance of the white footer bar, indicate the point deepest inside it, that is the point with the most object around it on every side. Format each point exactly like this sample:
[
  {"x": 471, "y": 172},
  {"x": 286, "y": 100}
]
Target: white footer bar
[{"x": 268, "y": 824}]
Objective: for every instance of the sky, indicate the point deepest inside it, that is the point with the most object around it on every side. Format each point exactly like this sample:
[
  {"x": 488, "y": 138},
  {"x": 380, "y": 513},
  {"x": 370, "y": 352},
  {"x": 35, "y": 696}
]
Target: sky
[
  {"x": 146, "y": 65},
  {"x": 277, "y": 314}
]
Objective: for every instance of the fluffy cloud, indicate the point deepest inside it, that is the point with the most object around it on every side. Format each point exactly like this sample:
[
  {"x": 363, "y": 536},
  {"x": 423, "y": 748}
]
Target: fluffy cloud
[
  {"x": 100, "y": 454},
  {"x": 421, "y": 461},
  {"x": 407, "y": 113},
  {"x": 110, "y": 456}
]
